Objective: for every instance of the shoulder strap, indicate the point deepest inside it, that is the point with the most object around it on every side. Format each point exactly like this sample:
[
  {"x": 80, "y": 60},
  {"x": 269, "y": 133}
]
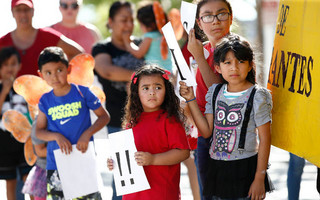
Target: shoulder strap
[
  {"x": 79, "y": 90},
  {"x": 246, "y": 121},
  {"x": 214, "y": 96}
]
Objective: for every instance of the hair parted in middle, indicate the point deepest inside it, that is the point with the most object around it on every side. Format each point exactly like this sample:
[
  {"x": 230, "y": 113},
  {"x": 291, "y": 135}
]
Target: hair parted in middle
[
  {"x": 200, "y": 3},
  {"x": 242, "y": 51},
  {"x": 133, "y": 108}
]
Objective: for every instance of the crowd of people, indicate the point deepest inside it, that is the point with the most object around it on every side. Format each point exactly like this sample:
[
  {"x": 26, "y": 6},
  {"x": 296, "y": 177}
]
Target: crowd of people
[{"x": 229, "y": 110}]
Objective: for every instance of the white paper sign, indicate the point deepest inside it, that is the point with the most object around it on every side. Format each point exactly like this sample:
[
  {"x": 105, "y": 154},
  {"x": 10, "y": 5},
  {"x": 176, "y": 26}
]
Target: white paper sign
[
  {"x": 77, "y": 171},
  {"x": 188, "y": 17},
  {"x": 128, "y": 176},
  {"x": 180, "y": 62}
]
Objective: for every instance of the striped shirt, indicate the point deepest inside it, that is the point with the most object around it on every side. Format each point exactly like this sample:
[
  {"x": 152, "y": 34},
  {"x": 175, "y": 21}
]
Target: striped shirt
[{"x": 232, "y": 95}]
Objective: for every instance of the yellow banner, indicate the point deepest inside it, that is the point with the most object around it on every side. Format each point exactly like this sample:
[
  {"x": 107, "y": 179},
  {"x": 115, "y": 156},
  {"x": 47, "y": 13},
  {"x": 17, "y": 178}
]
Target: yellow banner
[{"x": 294, "y": 79}]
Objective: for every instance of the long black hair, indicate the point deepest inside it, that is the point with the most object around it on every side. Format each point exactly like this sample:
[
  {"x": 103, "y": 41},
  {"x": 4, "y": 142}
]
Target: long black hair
[{"x": 242, "y": 51}]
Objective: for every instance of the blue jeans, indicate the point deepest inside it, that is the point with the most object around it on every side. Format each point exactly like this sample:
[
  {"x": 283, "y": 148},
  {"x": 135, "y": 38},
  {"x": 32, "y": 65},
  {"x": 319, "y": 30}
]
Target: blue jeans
[
  {"x": 20, "y": 183},
  {"x": 296, "y": 165},
  {"x": 113, "y": 129},
  {"x": 202, "y": 158},
  {"x": 318, "y": 180}
]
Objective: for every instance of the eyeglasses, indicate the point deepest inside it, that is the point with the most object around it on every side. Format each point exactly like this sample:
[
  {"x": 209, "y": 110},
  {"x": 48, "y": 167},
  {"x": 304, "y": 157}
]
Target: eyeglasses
[
  {"x": 210, "y": 18},
  {"x": 65, "y": 6}
]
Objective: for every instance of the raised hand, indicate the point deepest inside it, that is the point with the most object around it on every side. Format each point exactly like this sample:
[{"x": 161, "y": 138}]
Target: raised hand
[
  {"x": 195, "y": 46},
  {"x": 185, "y": 91}
]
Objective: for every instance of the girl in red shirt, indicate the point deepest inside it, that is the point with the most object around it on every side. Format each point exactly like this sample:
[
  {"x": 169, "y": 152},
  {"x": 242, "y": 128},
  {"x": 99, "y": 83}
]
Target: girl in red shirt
[{"x": 154, "y": 114}]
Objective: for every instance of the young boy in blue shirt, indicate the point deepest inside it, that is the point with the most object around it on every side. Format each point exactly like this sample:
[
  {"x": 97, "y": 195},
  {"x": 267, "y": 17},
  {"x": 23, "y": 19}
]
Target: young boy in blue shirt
[{"x": 64, "y": 117}]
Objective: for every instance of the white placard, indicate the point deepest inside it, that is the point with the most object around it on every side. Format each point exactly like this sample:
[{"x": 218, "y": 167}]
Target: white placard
[
  {"x": 182, "y": 66},
  {"x": 188, "y": 17},
  {"x": 128, "y": 176},
  {"x": 77, "y": 171}
]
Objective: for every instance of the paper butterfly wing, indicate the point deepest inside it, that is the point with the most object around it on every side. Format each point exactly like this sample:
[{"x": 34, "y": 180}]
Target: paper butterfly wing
[
  {"x": 31, "y": 87},
  {"x": 29, "y": 154},
  {"x": 17, "y": 124},
  {"x": 81, "y": 70}
]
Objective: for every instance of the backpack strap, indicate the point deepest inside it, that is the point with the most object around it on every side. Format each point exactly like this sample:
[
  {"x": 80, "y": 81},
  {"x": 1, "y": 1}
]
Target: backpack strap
[
  {"x": 79, "y": 90},
  {"x": 245, "y": 122}
]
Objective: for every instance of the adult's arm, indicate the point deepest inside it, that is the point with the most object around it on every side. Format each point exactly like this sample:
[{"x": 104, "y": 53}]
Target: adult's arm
[
  {"x": 70, "y": 47},
  {"x": 105, "y": 68}
]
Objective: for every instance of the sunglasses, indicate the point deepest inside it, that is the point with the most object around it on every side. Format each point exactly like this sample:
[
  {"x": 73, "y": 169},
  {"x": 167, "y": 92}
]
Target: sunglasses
[{"x": 65, "y": 6}]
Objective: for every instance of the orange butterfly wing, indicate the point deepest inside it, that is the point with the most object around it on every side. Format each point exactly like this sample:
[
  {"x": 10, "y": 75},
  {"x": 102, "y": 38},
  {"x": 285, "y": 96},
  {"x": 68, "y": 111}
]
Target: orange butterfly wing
[
  {"x": 29, "y": 154},
  {"x": 81, "y": 70},
  {"x": 31, "y": 88},
  {"x": 17, "y": 124}
]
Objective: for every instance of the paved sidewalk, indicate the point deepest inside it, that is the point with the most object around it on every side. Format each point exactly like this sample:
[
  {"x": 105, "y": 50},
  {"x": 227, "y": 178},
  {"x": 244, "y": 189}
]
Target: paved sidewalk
[{"x": 278, "y": 173}]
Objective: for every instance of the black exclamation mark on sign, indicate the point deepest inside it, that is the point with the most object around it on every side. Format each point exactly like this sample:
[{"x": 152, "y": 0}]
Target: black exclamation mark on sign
[
  {"x": 119, "y": 164},
  {"x": 128, "y": 161},
  {"x": 129, "y": 167}
]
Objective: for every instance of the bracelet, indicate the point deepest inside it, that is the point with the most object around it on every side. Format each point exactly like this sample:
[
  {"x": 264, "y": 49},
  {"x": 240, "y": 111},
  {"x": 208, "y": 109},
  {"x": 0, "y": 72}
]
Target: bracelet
[{"x": 190, "y": 100}]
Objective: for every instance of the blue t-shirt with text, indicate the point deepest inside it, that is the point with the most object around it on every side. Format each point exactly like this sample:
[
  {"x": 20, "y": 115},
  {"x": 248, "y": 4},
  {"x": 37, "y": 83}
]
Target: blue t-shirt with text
[{"x": 68, "y": 115}]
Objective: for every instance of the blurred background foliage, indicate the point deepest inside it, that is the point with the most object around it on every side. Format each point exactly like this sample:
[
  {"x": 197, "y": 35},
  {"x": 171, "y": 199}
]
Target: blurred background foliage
[
  {"x": 246, "y": 22},
  {"x": 101, "y": 8}
]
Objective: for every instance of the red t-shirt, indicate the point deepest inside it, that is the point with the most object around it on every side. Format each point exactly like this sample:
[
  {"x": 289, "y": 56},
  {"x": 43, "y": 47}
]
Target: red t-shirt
[
  {"x": 29, "y": 57},
  {"x": 155, "y": 133},
  {"x": 201, "y": 86},
  {"x": 186, "y": 53},
  {"x": 80, "y": 34}
]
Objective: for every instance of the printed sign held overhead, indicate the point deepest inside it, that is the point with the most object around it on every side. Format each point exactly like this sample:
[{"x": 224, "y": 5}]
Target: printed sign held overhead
[
  {"x": 182, "y": 66},
  {"x": 188, "y": 17}
]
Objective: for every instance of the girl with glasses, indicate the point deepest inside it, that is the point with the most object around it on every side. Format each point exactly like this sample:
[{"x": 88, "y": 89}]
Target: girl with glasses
[{"x": 213, "y": 21}]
